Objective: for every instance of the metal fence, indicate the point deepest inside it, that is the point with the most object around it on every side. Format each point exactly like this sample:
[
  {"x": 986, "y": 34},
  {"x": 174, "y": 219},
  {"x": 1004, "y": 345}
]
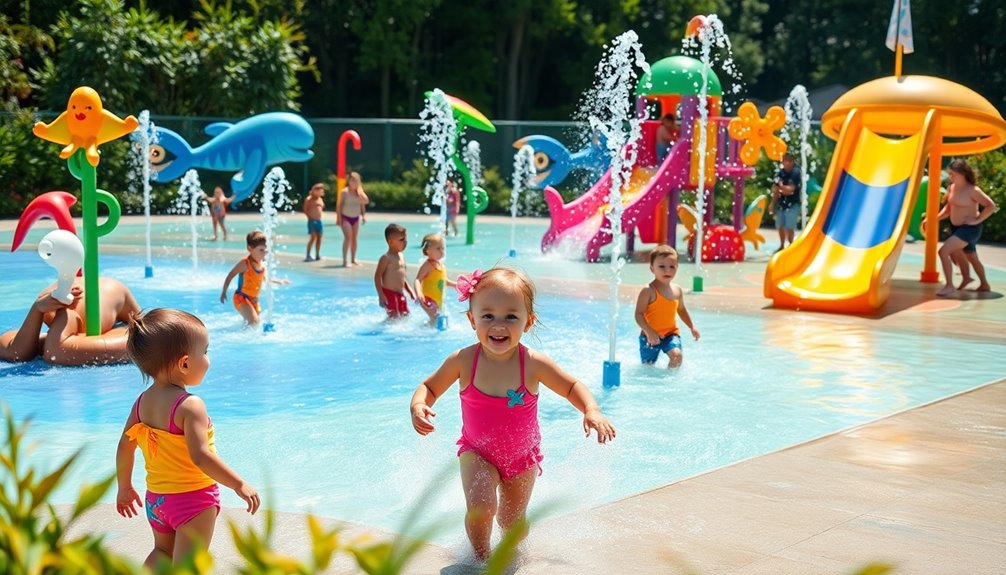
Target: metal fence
[{"x": 389, "y": 146}]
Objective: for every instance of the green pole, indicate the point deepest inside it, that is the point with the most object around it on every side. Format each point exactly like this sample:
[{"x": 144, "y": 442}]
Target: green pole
[
  {"x": 90, "y": 196},
  {"x": 476, "y": 198},
  {"x": 89, "y": 207}
]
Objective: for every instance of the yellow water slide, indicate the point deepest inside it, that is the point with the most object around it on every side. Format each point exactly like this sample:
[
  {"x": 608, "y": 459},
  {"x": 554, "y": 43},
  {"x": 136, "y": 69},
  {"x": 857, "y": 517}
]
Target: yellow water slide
[
  {"x": 886, "y": 130},
  {"x": 845, "y": 258}
]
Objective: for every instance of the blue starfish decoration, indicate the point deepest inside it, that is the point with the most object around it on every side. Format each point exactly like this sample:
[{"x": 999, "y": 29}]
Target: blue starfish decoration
[
  {"x": 152, "y": 510},
  {"x": 516, "y": 398}
]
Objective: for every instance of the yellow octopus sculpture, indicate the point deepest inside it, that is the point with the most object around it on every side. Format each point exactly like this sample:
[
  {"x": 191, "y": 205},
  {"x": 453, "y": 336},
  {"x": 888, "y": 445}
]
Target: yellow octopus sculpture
[{"x": 85, "y": 124}]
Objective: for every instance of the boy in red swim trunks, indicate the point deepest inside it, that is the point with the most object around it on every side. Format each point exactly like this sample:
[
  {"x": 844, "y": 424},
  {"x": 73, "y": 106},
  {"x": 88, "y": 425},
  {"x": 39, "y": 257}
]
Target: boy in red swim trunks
[{"x": 390, "y": 278}]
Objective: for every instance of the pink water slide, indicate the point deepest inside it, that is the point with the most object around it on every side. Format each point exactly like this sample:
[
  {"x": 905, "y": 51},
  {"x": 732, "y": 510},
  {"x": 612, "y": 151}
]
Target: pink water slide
[{"x": 583, "y": 221}]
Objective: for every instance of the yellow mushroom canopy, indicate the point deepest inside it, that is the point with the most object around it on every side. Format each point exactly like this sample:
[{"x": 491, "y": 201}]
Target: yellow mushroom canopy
[{"x": 897, "y": 105}]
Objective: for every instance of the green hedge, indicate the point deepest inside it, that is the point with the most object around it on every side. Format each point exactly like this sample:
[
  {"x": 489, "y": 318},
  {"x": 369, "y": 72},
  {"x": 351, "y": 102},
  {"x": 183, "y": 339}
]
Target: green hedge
[
  {"x": 991, "y": 171},
  {"x": 30, "y": 166},
  {"x": 406, "y": 193}
]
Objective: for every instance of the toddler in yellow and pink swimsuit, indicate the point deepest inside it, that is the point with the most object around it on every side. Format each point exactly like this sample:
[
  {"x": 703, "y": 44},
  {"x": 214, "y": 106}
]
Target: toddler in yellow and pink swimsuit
[{"x": 175, "y": 434}]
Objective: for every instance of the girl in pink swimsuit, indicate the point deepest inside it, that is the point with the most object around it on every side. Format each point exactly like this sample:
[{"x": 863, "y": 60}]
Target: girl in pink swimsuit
[{"x": 500, "y": 380}]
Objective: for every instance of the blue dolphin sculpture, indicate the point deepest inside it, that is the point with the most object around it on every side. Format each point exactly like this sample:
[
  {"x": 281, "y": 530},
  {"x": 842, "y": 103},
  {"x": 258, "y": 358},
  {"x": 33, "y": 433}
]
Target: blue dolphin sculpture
[
  {"x": 248, "y": 147},
  {"x": 553, "y": 161}
]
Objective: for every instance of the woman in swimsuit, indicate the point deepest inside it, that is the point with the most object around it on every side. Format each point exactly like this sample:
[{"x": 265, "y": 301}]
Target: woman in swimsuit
[
  {"x": 350, "y": 213},
  {"x": 500, "y": 438}
]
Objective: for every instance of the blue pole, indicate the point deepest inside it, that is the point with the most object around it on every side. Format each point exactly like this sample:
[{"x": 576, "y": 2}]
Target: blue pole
[{"x": 612, "y": 374}]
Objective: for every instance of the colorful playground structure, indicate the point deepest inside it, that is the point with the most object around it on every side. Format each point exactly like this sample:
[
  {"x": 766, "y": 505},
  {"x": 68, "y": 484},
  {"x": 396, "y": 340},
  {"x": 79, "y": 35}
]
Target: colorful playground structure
[
  {"x": 81, "y": 128},
  {"x": 886, "y": 130},
  {"x": 476, "y": 198},
  {"x": 650, "y": 198}
]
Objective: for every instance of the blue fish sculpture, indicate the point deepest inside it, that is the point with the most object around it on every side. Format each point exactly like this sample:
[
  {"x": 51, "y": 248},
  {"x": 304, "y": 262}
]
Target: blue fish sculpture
[
  {"x": 247, "y": 147},
  {"x": 553, "y": 161}
]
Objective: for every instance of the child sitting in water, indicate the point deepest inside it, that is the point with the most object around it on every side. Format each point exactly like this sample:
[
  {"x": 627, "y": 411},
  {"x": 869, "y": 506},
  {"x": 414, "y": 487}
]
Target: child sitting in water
[
  {"x": 175, "y": 434},
  {"x": 432, "y": 280},
  {"x": 390, "y": 278},
  {"x": 251, "y": 273},
  {"x": 500, "y": 439},
  {"x": 657, "y": 308}
]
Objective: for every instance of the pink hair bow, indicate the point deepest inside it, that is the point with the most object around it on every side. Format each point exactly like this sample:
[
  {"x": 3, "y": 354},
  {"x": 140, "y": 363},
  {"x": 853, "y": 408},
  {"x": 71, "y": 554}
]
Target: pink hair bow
[{"x": 466, "y": 284}]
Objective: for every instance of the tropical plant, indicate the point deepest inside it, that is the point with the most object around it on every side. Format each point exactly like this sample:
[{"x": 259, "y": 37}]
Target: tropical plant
[
  {"x": 33, "y": 537},
  {"x": 30, "y": 166},
  {"x": 19, "y": 45},
  {"x": 234, "y": 63}
]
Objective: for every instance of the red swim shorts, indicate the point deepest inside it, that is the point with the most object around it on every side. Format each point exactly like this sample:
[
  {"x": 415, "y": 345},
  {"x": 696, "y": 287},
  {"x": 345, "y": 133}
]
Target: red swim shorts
[{"x": 398, "y": 306}]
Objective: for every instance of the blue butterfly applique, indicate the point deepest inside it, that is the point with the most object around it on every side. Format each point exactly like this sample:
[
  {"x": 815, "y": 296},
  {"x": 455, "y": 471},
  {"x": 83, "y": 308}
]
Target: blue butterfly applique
[{"x": 516, "y": 398}]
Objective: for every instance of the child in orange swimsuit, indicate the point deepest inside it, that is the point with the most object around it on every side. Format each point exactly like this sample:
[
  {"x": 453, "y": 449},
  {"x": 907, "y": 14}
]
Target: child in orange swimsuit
[
  {"x": 251, "y": 273},
  {"x": 657, "y": 308},
  {"x": 500, "y": 382},
  {"x": 172, "y": 429}
]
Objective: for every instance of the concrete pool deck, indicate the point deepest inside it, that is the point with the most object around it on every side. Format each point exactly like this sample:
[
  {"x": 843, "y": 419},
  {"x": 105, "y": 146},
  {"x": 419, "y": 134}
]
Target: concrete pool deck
[{"x": 923, "y": 490}]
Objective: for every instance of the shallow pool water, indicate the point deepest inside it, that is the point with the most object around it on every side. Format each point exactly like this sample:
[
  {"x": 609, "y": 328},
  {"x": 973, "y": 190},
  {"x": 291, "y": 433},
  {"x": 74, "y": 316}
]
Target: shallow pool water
[{"x": 317, "y": 414}]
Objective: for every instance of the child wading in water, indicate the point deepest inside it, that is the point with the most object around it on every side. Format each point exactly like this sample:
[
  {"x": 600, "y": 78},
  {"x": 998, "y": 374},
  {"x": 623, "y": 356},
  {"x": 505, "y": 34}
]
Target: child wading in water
[
  {"x": 389, "y": 276},
  {"x": 431, "y": 279},
  {"x": 175, "y": 434},
  {"x": 500, "y": 380},
  {"x": 251, "y": 273},
  {"x": 657, "y": 309},
  {"x": 218, "y": 203}
]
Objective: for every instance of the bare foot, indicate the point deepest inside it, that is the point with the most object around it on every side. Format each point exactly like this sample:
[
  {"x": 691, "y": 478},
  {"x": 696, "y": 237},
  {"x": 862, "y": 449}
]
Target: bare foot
[
  {"x": 965, "y": 282},
  {"x": 356, "y": 263},
  {"x": 984, "y": 287},
  {"x": 945, "y": 291}
]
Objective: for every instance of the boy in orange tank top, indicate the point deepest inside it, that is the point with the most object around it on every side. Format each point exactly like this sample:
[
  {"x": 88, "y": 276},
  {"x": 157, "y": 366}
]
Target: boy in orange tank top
[
  {"x": 251, "y": 274},
  {"x": 658, "y": 306}
]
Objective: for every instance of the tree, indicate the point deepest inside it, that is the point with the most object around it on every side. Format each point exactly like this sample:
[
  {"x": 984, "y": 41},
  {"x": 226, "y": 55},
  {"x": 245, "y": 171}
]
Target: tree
[
  {"x": 390, "y": 32},
  {"x": 245, "y": 64},
  {"x": 232, "y": 64},
  {"x": 20, "y": 45}
]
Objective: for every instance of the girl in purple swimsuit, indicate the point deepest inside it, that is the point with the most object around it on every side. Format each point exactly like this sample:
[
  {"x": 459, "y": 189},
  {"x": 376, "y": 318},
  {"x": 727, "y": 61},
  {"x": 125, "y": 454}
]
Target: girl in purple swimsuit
[
  {"x": 500, "y": 381},
  {"x": 350, "y": 213}
]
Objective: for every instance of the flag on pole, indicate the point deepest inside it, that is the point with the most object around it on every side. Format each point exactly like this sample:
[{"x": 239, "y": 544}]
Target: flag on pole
[{"x": 900, "y": 27}]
